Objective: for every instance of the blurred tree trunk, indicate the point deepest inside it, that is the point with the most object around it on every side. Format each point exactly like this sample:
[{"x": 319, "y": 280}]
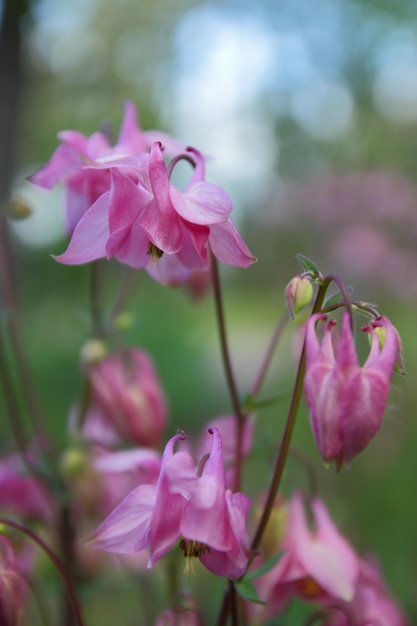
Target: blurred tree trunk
[{"x": 10, "y": 88}]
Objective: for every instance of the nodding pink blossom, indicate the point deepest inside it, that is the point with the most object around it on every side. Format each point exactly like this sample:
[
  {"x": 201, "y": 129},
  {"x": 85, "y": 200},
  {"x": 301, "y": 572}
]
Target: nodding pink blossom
[
  {"x": 83, "y": 186},
  {"x": 12, "y": 586},
  {"x": 22, "y": 493},
  {"x": 145, "y": 222},
  {"x": 126, "y": 399},
  {"x": 317, "y": 564},
  {"x": 372, "y": 603},
  {"x": 188, "y": 504},
  {"x": 347, "y": 401}
]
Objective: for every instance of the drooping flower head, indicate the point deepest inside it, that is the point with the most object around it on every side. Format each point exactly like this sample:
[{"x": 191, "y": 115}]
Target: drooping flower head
[
  {"x": 188, "y": 504},
  {"x": 126, "y": 398},
  {"x": 317, "y": 563},
  {"x": 347, "y": 401},
  {"x": 145, "y": 222}
]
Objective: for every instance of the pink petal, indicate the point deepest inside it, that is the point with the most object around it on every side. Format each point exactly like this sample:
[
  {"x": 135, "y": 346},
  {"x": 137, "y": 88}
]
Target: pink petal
[
  {"x": 126, "y": 529},
  {"x": 64, "y": 161},
  {"x": 88, "y": 241},
  {"x": 203, "y": 203},
  {"x": 228, "y": 246}
]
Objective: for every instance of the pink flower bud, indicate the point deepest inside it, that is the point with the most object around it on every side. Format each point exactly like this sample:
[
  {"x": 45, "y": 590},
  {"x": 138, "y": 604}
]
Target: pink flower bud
[
  {"x": 346, "y": 401},
  {"x": 127, "y": 392}
]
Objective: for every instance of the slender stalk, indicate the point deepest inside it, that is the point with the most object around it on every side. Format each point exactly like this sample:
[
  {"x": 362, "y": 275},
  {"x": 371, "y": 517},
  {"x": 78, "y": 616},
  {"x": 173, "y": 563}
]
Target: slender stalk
[
  {"x": 288, "y": 431},
  {"x": 8, "y": 289},
  {"x": 57, "y": 563},
  {"x": 231, "y": 382},
  {"x": 260, "y": 377}
]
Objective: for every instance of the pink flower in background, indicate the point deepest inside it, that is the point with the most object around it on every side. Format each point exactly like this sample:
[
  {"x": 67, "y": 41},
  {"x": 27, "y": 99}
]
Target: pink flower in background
[
  {"x": 22, "y": 493},
  {"x": 371, "y": 605},
  {"x": 317, "y": 564},
  {"x": 144, "y": 221},
  {"x": 346, "y": 401},
  {"x": 83, "y": 185},
  {"x": 186, "y": 504},
  {"x": 12, "y": 586},
  {"x": 126, "y": 399}
]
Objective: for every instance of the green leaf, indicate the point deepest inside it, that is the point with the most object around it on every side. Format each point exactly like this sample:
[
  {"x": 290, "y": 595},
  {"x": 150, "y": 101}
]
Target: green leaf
[
  {"x": 265, "y": 568},
  {"x": 307, "y": 265},
  {"x": 251, "y": 404},
  {"x": 337, "y": 298},
  {"x": 248, "y": 592}
]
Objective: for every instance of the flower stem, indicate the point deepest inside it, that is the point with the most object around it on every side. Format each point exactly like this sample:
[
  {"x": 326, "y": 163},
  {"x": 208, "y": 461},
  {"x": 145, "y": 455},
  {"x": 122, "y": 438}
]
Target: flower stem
[
  {"x": 57, "y": 563},
  {"x": 231, "y": 382},
  {"x": 286, "y": 439},
  {"x": 268, "y": 355}
]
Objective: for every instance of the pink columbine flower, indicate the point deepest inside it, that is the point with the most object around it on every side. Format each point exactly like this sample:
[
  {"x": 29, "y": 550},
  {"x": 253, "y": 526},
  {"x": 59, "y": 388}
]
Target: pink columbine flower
[
  {"x": 346, "y": 401},
  {"x": 317, "y": 564},
  {"x": 371, "y": 604},
  {"x": 83, "y": 185},
  {"x": 126, "y": 399},
  {"x": 144, "y": 221},
  {"x": 187, "y": 504}
]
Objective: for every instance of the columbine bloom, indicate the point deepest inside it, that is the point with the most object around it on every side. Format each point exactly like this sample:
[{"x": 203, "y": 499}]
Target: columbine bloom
[
  {"x": 346, "y": 401},
  {"x": 317, "y": 564},
  {"x": 144, "y": 221},
  {"x": 83, "y": 185},
  {"x": 193, "y": 506},
  {"x": 126, "y": 399}
]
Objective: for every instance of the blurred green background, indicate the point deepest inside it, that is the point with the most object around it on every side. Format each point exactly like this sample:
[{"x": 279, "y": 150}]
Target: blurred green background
[{"x": 308, "y": 111}]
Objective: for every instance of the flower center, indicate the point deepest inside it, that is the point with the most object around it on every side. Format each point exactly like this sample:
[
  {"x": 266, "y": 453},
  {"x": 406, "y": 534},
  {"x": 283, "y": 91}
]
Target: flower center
[
  {"x": 192, "y": 549},
  {"x": 154, "y": 252}
]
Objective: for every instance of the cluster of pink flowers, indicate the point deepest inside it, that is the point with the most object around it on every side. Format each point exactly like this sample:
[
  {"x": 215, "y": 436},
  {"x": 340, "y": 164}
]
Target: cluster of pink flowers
[
  {"x": 118, "y": 489},
  {"x": 120, "y": 203}
]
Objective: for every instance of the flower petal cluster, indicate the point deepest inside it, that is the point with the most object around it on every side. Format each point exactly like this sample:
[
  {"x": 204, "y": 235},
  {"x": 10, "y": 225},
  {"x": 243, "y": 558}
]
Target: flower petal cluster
[
  {"x": 83, "y": 186},
  {"x": 347, "y": 401},
  {"x": 126, "y": 398},
  {"x": 121, "y": 204},
  {"x": 318, "y": 563},
  {"x": 187, "y": 504}
]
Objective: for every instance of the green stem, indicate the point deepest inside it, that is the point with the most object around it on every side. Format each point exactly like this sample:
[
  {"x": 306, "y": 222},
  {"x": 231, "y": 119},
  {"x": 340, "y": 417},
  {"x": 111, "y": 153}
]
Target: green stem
[
  {"x": 286, "y": 439},
  {"x": 268, "y": 355}
]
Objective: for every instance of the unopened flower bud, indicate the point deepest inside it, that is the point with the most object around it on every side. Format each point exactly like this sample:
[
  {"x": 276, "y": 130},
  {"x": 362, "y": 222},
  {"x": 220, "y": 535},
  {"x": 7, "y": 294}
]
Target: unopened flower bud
[
  {"x": 123, "y": 321},
  {"x": 73, "y": 462},
  {"x": 19, "y": 208},
  {"x": 298, "y": 294},
  {"x": 93, "y": 351}
]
